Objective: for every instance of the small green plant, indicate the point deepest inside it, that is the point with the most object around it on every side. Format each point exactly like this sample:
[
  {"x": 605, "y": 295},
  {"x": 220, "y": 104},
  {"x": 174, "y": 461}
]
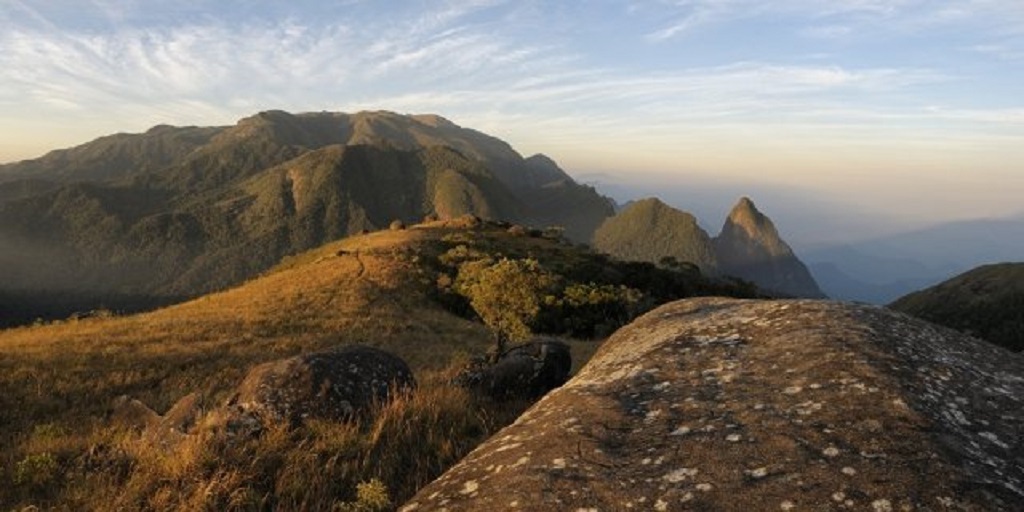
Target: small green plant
[
  {"x": 37, "y": 469},
  {"x": 48, "y": 431},
  {"x": 371, "y": 496}
]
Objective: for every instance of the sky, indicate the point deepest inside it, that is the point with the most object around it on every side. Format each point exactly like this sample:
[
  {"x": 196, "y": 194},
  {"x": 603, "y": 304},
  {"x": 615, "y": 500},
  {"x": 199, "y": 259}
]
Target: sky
[{"x": 894, "y": 112}]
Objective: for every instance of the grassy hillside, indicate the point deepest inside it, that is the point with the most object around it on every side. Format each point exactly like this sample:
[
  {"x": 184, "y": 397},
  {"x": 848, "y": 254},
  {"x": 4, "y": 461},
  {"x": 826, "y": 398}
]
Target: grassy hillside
[
  {"x": 987, "y": 302},
  {"x": 60, "y": 446}
]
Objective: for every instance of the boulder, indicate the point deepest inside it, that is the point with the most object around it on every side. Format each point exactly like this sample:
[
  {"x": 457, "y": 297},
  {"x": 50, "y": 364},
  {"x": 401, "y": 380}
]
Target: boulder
[
  {"x": 528, "y": 370},
  {"x": 721, "y": 404},
  {"x": 333, "y": 385},
  {"x": 165, "y": 430},
  {"x": 184, "y": 415},
  {"x": 131, "y": 413}
]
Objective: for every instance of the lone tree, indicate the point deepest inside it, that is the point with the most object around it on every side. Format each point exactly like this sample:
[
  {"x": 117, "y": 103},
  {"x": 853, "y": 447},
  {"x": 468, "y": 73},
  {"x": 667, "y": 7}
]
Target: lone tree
[{"x": 506, "y": 295}]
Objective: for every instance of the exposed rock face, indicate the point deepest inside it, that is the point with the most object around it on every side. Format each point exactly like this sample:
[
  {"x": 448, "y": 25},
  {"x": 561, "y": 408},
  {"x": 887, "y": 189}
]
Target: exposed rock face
[
  {"x": 720, "y": 404},
  {"x": 328, "y": 385},
  {"x": 750, "y": 247},
  {"x": 650, "y": 230},
  {"x": 528, "y": 370}
]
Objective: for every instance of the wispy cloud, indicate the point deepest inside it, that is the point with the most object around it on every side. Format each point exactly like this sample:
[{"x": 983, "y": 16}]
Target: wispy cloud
[
  {"x": 827, "y": 31},
  {"x": 831, "y": 18},
  {"x": 495, "y": 66},
  {"x": 1001, "y": 51}
]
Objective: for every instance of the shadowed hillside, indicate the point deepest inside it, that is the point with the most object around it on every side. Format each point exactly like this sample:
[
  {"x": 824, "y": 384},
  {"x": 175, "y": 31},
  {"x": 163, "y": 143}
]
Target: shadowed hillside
[{"x": 987, "y": 302}]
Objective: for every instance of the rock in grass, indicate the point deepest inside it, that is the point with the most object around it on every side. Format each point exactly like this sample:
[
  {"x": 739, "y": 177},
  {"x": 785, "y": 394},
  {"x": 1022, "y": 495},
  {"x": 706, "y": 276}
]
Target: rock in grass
[
  {"x": 528, "y": 370},
  {"x": 331, "y": 385},
  {"x": 720, "y": 404}
]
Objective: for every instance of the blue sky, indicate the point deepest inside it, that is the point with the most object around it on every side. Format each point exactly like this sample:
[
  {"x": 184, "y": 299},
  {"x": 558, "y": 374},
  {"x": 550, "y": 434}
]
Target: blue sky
[{"x": 903, "y": 108}]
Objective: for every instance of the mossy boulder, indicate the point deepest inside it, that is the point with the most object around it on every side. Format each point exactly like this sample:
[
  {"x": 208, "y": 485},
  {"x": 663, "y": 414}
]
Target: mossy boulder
[{"x": 332, "y": 385}]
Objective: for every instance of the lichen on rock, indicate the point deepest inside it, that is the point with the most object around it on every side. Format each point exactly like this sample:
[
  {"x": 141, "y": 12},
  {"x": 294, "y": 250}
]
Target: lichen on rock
[
  {"x": 720, "y": 404},
  {"x": 332, "y": 385}
]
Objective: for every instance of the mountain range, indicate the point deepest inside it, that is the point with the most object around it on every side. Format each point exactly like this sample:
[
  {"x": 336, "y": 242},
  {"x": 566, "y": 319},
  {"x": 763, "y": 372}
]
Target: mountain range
[
  {"x": 134, "y": 220},
  {"x": 182, "y": 211},
  {"x": 322, "y": 231}
]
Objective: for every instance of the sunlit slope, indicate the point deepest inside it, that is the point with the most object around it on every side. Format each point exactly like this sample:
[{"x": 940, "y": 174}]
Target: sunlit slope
[{"x": 364, "y": 289}]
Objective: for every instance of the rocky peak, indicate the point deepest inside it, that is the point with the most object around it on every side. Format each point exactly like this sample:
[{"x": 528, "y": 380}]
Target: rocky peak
[
  {"x": 720, "y": 404},
  {"x": 751, "y": 248},
  {"x": 746, "y": 224}
]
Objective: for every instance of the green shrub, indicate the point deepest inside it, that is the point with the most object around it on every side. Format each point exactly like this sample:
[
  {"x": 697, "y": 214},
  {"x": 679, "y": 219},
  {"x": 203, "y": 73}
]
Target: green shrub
[
  {"x": 37, "y": 470},
  {"x": 371, "y": 496},
  {"x": 507, "y": 295}
]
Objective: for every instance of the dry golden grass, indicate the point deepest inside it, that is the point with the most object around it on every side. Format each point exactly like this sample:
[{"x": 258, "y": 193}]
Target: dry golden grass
[{"x": 58, "y": 382}]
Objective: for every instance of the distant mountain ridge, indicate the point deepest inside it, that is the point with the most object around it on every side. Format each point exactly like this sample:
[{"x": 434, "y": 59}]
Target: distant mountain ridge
[
  {"x": 178, "y": 211},
  {"x": 987, "y": 302},
  {"x": 182, "y": 211},
  {"x": 748, "y": 247},
  {"x": 880, "y": 270}
]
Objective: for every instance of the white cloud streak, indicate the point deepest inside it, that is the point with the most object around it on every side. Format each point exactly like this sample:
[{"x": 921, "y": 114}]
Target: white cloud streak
[
  {"x": 831, "y": 18},
  {"x": 539, "y": 94}
]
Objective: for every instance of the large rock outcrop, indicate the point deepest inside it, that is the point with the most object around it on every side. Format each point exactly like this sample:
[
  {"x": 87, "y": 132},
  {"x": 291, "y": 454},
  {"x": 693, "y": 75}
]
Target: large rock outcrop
[
  {"x": 750, "y": 247},
  {"x": 720, "y": 404}
]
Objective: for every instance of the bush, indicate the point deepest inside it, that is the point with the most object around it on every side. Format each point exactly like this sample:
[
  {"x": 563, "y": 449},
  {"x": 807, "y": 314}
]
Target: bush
[
  {"x": 593, "y": 311},
  {"x": 37, "y": 470},
  {"x": 371, "y": 496},
  {"x": 507, "y": 295}
]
